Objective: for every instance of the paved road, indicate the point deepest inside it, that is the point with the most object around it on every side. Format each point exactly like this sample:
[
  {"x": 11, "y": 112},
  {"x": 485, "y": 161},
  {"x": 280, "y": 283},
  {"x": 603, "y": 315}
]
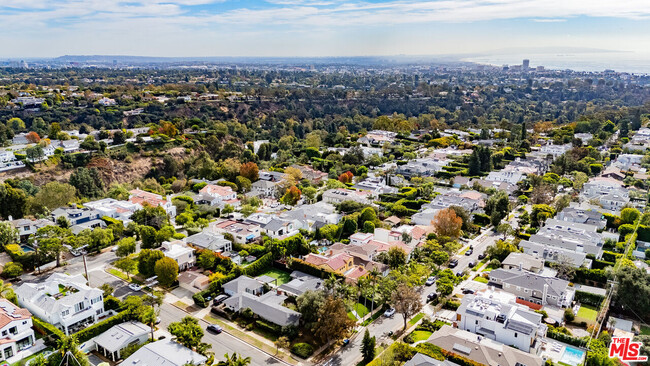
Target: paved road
[{"x": 221, "y": 343}]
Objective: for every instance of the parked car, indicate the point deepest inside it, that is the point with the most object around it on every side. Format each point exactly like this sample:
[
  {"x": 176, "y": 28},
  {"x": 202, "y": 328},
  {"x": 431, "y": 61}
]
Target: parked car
[
  {"x": 459, "y": 274},
  {"x": 135, "y": 287},
  {"x": 481, "y": 256},
  {"x": 389, "y": 313},
  {"x": 430, "y": 281},
  {"x": 345, "y": 342},
  {"x": 207, "y": 298},
  {"x": 432, "y": 296},
  {"x": 214, "y": 328},
  {"x": 219, "y": 299},
  {"x": 468, "y": 291},
  {"x": 469, "y": 252},
  {"x": 158, "y": 320},
  {"x": 471, "y": 264},
  {"x": 453, "y": 263}
]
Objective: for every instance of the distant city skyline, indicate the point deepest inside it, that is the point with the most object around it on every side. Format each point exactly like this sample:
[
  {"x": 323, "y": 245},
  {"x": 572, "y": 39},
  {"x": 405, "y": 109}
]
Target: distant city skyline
[{"x": 305, "y": 28}]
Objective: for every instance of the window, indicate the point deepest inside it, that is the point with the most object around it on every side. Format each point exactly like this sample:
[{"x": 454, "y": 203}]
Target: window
[
  {"x": 13, "y": 330},
  {"x": 526, "y": 290},
  {"x": 476, "y": 322},
  {"x": 99, "y": 311},
  {"x": 9, "y": 352},
  {"x": 4, "y": 333},
  {"x": 96, "y": 300},
  {"x": 65, "y": 312},
  {"x": 79, "y": 306},
  {"x": 515, "y": 334}
]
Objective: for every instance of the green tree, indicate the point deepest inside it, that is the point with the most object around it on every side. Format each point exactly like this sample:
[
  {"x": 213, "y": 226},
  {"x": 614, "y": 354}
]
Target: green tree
[
  {"x": 333, "y": 322},
  {"x": 147, "y": 259},
  {"x": 16, "y": 124},
  {"x": 368, "y": 347},
  {"x": 126, "y": 265},
  {"x": 234, "y": 360},
  {"x": 406, "y": 301},
  {"x": 13, "y": 202},
  {"x": 125, "y": 247},
  {"x": 155, "y": 217},
  {"x": 497, "y": 207},
  {"x": 396, "y": 257},
  {"x": 148, "y": 236},
  {"x": 187, "y": 332},
  {"x": 167, "y": 271},
  {"x": 12, "y": 270},
  {"x": 49, "y": 240},
  {"x": 51, "y": 196},
  {"x": 8, "y": 234},
  {"x": 500, "y": 250},
  {"x": 87, "y": 182},
  {"x": 629, "y": 215}
]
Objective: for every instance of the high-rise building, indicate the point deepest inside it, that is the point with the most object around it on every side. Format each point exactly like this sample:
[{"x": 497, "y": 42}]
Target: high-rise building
[{"x": 526, "y": 64}]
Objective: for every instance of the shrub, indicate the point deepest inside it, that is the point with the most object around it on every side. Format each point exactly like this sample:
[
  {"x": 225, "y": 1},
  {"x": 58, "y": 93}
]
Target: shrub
[
  {"x": 14, "y": 251},
  {"x": 52, "y": 333},
  {"x": 12, "y": 269},
  {"x": 589, "y": 298},
  {"x": 259, "y": 266},
  {"x": 302, "y": 350},
  {"x": 199, "y": 300},
  {"x": 99, "y": 328},
  {"x": 568, "y": 315}
]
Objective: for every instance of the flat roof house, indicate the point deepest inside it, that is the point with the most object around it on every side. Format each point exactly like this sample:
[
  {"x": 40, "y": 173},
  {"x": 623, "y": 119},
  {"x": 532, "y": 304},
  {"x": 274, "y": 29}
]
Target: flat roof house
[
  {"x": 164, "y": 353},
  {"x": 118, "y": 337}
]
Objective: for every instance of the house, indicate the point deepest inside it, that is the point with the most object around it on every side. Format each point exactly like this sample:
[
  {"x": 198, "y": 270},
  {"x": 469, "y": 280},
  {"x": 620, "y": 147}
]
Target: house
[
  {"x": 69, "y": 146},
  {"x": 300, "y": 283},
  {"x": 392, "y": 221},
  {"x": 481, "y": 350},
  {"x": 181, "y": 253},
  {"x": 555, "y": 150},
  {"x": 507, "y": 176},
  {"x": 107, "y": 102},
  {"x": 110, "y": 343},
  {"x": 140, "y": 197},
  {"x": 339, "y": 195},
  {"x": 582, "y": 216},
  {"x": 375, "y": 185},
  {"x": 27, "y": 227},
  {"x": 164, "y": 353},
  {"x": 218, "y": 195},
  {"x": 378, "y": 137},
  {"x": 533, "y": 288},
  {"x": 63, "y": 300},
  {"x": 246, "y": 292},
  {"x": 555, "y": 254},
  {"x": 312, "y": 216},
  {"x": 279, "y": 228},
  {"x": 210, "y": 240},
  {"x": 584, "y": 137},
  {"x": 20, "y": 139},
  {"x": 16, "y": 329},
  {"x": 119, "y": 210},
  {"x": 613, "y": 172},
  {"x": 242, "y": 232},
  {"x": 264, "y": 188},
  {"x": 8, "y": 161},
  {"x": 76, "y": 216},
  {"x": 525, "y": 261},
  {"x": 271, "y": 176},
  {"x": 361, "y": 238},
  {"x": 341, "y": 262},
  {"x": 312, "y": 175},
  {"x": 425, "y": 167},
  {"x": 581, "y": 238},
  {"x": 496, "y": 315},
  {"x": 423, "y": 360}
]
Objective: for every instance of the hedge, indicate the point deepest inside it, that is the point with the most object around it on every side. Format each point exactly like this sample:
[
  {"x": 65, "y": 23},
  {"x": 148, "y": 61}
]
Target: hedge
[
  {"x": 199, "y": 299},
  {"x": 303, "y": 350},
  {"x": 566, "y": 338},
  {"x": 584, "y": 275},
  {"x": 99, "y": 328},
  {"x": 302, "y": 266},
  {"x": 589, "y": 298},
  {"x": 259, "y": 266},
  {"x": 269, "y": 327},
  {"x": 214, "y": 288},
  {"x": 52, "y": 333},
  {"x": 598, "y": 264},
  {"x": 611, "y": 256},
  {"x": 481, "y": 219}
]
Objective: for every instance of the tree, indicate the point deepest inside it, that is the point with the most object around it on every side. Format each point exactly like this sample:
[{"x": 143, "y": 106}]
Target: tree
[
  {"x": 12, "y": 270},
  {"x": 281, "y": 342},
  {"x": 53, "y": 195},
  {"x": 368, "y": 347},
  {"x": 333, "y": 322},
  {"x": 55, "y": 130},
  {"x": 16, "y": 124},
  {"x": 147, "y": 259},
  {"x": 8, "y": 234},
  {"x": 167, "y": 271},
  {"x": 446, "y": 223},
  {"x": 148, "y": 236},
  {"x": 396, "y": 257},
  {"x": 68, "y": 346},
  {"x": 35, "y": 153},
  {"x": 152, "y": 300},
  {"x": 234, "y": 360},
  {"x": 108, "y": 289},
  {"x": 497, "y": 207},
  {"x": 187, "y": 332},
  {"x": 250, "y": 171},
  {"x": 309, "y": 304},
  {"x": 49, "y": 240},
  {"x": 126, "y": 265},
  {"x": 406, "y": 301},
  {"x": 444, "y": 286},
  {"x": 346, "y": 177},
  {"x": 125, "y": 247},
  {"x": 32, "y": 137},
  {"x": 565, "y": 269},
  {"x": 439, "y": 257},
  {"x": 12, "y": 202},
  {"x": 504, "y": 229},
  {"x": 310, "y": 194},
  {"x": 293, "y": 173},
  {"x": 292, "y": 196},
  {"x": 500, "y": 250},
  {"x": 88, "y": 182},
  {"x": 155, "y": 217},
  {"x": 474, "y": 164},
  {"x": 629, "y": 215}
]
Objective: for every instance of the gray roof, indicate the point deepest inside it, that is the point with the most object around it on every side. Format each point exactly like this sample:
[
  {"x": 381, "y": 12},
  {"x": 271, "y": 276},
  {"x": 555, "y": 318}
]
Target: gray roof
[
  {"x": 241, "y": 284},
  {"x": 265, "y": 184},
  {"x": 530, "y": 280},
  {"x": 527, "y": 261},
  {"x": 121, "y": 335},
  {"x": 208, "y": 240},
  {"x": 301, "y": 283},
  {"x": 423, "y": 360},
  {"x": 164, "y": 353},
  {"x": 268, "y": 306},
  {"x": 275, "y": 224}
]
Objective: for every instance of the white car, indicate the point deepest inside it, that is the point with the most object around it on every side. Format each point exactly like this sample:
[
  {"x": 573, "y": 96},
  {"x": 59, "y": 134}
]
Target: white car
[
  {"x": 390, "y": 312},
  {"x": 135, "y": 287}
]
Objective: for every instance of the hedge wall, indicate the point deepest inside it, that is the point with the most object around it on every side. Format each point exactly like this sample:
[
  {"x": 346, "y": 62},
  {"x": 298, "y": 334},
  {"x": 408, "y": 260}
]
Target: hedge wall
[
  {"x": 598, "y": 264},
  {"x": 259, "y": 266},
  {"x": 566, "y": 338},
  {"x": 611, "y": 256},
  {"x": 589, "y": 298},
  {"x": 52, "y": 333},
  {"x": 302, "y": 266},
  {"x": 99, "y": 328}
]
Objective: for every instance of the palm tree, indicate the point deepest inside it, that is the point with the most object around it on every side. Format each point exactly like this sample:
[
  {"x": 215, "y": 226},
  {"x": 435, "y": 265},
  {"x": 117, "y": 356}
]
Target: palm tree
[
  {"x": 235, "y": 360},
  {"x": 153, "y": 300},
  {"x": 374, "y": 274}
]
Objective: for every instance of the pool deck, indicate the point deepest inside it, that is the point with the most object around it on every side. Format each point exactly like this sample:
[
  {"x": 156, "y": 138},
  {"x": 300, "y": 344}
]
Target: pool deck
[{"x": 554, "y": 350}]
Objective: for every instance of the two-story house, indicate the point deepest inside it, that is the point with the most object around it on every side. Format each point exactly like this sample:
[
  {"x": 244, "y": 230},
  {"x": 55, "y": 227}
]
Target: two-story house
[
  {"x": 533, "y": 288},
  {"x": 64, "y": 301},
  {"x": 140, "y": 197},
  {"x": 16, "y": 333},
  {"x": 181, "y": 253},
  {"x": 216, "y": 195}
]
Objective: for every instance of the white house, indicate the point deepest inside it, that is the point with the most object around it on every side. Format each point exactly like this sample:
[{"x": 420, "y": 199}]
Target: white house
[
  {"x": 118, "y": 337},
  {"x": 497, "y": 316},
  {"x": 181, "y": 253},
  {"x": 107, "y": 102},
  {"x": 339, "y": 195},
  {"x": 120, "y": 210},
  {"x": 264, "y": 188},
  {"x": 164, "y": 353},
  {"x": 140, "y": 197},
  {"x": 511, "y": 177},
  {"x": 555, "y": 150},
  {"x": 16, "y": 329},
  {"x": 64, "y": 301},
  {"x": 221, "y": 195}
]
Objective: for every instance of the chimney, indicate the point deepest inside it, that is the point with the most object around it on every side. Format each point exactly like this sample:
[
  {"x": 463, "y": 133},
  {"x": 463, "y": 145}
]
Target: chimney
[
  {"x": 545, "y": 293},
  {"x": 520, "y": 266}
]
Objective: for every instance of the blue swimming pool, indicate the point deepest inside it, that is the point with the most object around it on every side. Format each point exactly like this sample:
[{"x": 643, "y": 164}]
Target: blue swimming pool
[
  {"x": 572, "y": 356},
  {"x": 26, "y": 248}
]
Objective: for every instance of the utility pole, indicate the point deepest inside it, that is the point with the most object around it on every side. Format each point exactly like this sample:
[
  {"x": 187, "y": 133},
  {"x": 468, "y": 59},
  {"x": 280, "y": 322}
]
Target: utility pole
[{"x": 85, "y": 267}]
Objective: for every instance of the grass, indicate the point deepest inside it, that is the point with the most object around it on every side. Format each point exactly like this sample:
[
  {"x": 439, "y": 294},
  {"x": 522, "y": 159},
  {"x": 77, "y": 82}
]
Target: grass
[
  {"x": 587, "y": 312},
  {"x": 416, "y": 319},
  {"x": 117, "y": 273},
  {"x": 361, "y": 310},
  {"x": 24, "y": 360},
  {"x": 281, "y": 276},
  {"x": 463, "y": 251},
  {"x": 421, "y": 335},
  {"x": 645, "y": 330},
  {"x": 182, "y": 305},
  {"x": 374, "y": 317},
  {"x": 480, "y": 279}
]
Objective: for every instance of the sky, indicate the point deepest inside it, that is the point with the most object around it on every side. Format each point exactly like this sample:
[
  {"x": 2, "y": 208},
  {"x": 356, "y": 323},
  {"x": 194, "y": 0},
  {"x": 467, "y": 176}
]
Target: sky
[{"x": 184, "y": 28}]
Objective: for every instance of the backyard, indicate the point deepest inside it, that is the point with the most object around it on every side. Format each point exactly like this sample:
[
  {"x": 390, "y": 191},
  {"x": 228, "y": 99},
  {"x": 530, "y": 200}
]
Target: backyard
[
  {"x": 588, "y": 313},
  {"x": 360, "y": 309},
  {"x": 281, "y": 276}
]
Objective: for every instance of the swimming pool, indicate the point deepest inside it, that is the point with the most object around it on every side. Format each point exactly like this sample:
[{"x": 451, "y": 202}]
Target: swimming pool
[
  {"x": 26, "y": 248},
  {"x": 572, "y": 356}
]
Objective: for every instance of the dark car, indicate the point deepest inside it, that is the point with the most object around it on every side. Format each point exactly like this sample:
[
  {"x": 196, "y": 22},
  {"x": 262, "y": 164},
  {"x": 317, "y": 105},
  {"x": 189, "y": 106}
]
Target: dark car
[
  {"x": 459, "y": 274},
  {"x": 453, "y": 263},
  {"x": 471, "y": 264},
  {"x": 219, "y": 299},
  {"x": 467, "y": 291},
  {"x": 432, "y": 296},
  {"x": 214, "y": 328},
  {"x": 481, "y": 256},
  {"x": 469, "y": 251}
]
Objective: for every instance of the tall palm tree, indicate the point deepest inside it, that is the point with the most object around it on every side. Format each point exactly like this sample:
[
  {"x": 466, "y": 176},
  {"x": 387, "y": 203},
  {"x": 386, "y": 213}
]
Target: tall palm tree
[
  {"x": 234, "y": 360},
  {"x": 374, "y": 274}
]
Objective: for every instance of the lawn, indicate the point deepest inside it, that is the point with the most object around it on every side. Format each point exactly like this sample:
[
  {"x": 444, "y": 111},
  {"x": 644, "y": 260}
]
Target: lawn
[
  {"x": 416, "y": 319},
  {"x": 645, "y": 330},
  {"x": 587, "y": 312},
  {"x": 421, "y": 335},
  {"x": 480, "y": 279},
  {"x": 282, "y": 276}
]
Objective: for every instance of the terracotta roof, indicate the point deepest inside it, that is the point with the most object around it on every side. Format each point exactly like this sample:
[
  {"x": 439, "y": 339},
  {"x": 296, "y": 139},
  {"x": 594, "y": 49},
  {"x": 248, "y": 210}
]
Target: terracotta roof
[{"x": 214, "y": 189}]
